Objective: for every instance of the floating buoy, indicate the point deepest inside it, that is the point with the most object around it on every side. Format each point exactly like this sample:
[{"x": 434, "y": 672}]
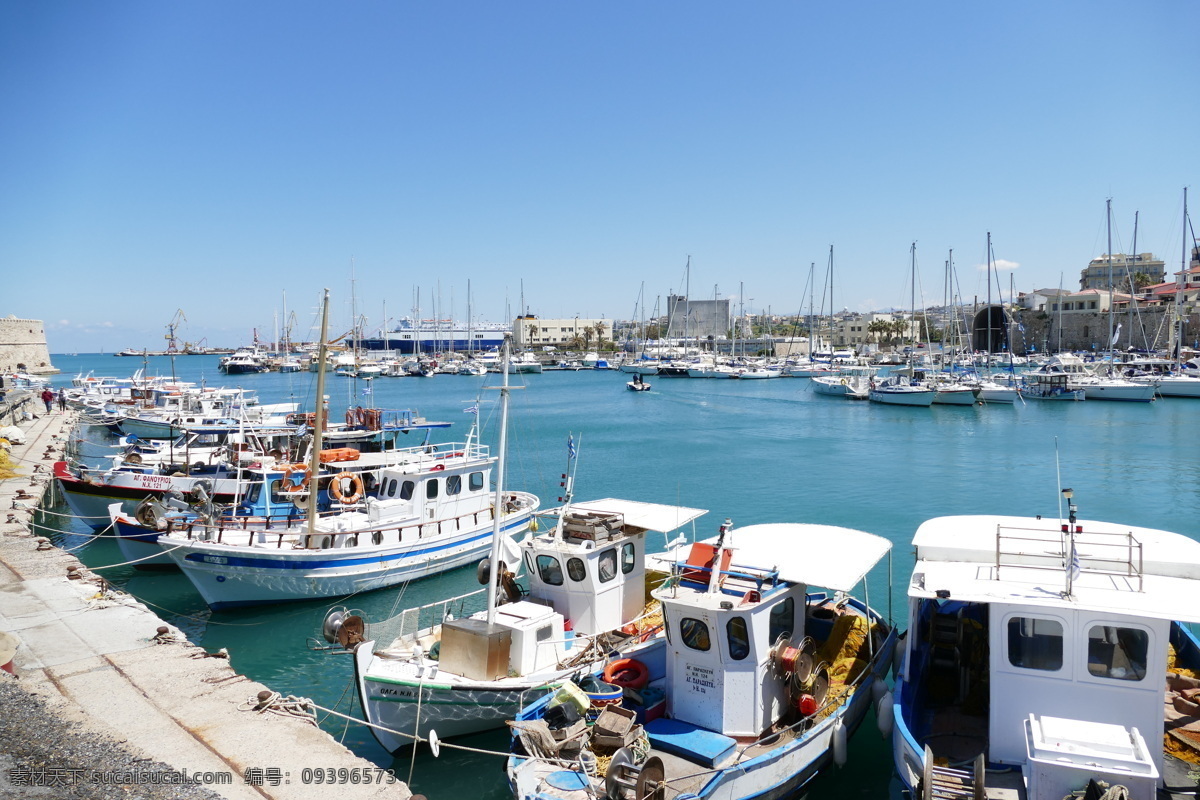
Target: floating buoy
[
  {"x": 885, "y": 715},
  {"x": 839, "y": 743},
  {"x": 878, "y": 688}
]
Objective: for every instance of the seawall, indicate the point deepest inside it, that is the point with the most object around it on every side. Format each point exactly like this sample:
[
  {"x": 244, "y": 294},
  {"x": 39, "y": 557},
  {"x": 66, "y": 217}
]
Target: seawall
[{"x": 111, "y": 670}]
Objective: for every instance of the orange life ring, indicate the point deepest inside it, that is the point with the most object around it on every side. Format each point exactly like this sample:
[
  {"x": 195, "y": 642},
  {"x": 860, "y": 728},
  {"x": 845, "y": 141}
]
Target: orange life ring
[
  {"x": 295, "y": 486},
  {"x": 340, "y": 494},
  {"x": 627, "y": 672}
]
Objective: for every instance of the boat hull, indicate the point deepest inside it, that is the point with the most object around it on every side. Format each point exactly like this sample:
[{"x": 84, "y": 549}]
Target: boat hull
[
  {"x": 232, "y": 576},
  {"x": 921, "y": 399}
]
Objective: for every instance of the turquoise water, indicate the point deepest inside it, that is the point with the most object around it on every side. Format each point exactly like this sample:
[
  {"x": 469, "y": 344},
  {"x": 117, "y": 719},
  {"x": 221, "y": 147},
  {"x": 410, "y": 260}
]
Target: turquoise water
[{"x": 754, "y": 451}]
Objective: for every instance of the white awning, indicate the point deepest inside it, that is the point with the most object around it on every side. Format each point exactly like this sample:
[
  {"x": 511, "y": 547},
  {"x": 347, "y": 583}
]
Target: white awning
[
  {"x": 648, "y": 516},
  {"x": 815, "y": 555}
]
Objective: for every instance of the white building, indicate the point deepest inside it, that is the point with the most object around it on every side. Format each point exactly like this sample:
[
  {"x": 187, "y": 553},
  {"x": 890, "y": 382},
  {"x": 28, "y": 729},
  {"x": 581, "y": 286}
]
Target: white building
[{"x": 532, "y": 333}]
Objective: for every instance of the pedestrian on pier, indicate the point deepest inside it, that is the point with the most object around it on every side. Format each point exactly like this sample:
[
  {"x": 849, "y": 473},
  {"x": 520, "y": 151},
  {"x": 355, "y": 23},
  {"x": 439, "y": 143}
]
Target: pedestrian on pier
[
  {"x": 48, "y": 399},
  {"x": 62, "y": 401}
]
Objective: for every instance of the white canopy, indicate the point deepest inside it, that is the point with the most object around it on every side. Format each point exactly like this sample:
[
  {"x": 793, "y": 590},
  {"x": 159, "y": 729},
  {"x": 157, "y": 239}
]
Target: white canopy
[
  {"x": 648, "y": 516},
  {"x": 815, "y": 555}
]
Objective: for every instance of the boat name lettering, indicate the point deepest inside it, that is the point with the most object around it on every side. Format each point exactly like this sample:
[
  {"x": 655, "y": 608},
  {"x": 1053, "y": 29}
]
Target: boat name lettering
[
  {"x": 700, "y": 679},
  {"x": 216, "y": 560},
  {"x": 153, "y": 481},
  {"x": 389, "y": 691}
]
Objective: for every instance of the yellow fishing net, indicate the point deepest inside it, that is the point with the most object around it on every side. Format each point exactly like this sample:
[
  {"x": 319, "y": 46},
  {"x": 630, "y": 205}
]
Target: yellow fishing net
[
  {"x": 8, "y": 467},
  {"x": 847, "y": 653}
]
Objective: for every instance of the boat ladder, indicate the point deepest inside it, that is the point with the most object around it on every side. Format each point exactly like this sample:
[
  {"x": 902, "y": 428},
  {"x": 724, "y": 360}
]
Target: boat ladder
[{"x": 948, "y": 783}]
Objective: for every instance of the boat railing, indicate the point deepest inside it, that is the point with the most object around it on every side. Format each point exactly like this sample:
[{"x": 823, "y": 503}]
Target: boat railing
[
  {"x": 412, "y": 623},
  {"x": 290, "y": 535},
  {"x": 1116, "y": 554}
]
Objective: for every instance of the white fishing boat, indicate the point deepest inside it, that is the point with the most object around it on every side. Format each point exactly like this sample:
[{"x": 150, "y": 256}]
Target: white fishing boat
[
  {"x": 757, "y": 686},
  {"x": 1043, "y": 654},
  {"x": 443, "y": 668},
  {"x": 430, "y": 510},
  {"x": 1041, "y": 386}
]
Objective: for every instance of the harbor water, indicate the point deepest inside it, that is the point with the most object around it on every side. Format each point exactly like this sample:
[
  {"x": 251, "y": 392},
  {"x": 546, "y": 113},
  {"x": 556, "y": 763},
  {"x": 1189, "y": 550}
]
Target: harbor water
[{"x": 753, "y": 451}]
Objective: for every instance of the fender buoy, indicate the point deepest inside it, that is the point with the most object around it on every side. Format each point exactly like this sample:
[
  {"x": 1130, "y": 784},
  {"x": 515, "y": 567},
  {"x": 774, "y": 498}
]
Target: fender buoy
[
  {"x": 288, "y": 484},
  {"x": 627, "y": 672},
  {"x": 885, "y": 715},
  {"x": 337, "y": 487},
  {"x": 839, "y": 742},
  {"x": 845, "y": 382}
]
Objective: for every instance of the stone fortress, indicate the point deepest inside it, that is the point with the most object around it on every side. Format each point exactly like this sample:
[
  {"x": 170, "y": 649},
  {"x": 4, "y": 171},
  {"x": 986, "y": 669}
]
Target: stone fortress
[{"x": 23, "y": 346}]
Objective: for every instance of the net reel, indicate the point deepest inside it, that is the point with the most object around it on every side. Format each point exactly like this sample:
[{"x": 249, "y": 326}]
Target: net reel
[{"x": 623, "y": 775}]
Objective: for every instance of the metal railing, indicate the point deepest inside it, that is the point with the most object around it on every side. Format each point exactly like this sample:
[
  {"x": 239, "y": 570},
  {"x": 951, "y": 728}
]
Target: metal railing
[{"x": 1098, "y": 552}]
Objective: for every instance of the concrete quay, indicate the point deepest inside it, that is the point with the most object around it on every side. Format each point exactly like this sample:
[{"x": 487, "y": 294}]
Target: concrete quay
[{"x": 96, "y": 661}]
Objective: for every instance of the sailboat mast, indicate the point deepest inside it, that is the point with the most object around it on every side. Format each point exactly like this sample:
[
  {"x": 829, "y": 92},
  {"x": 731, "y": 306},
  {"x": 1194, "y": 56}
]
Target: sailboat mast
[
  {"x": 1108, "y": 224},
  {"x": 314, "y": 459},
  {"x": 498, "y": 501},
  {"x": 1177, "y": 328}
]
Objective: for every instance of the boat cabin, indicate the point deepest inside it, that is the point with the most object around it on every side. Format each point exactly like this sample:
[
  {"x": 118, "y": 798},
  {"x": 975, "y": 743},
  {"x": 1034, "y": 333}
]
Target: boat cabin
[
  {"x": 1027, "y": 631},
  {"x": 591, "y": 566},
  {"x": 744, "y": 633}
]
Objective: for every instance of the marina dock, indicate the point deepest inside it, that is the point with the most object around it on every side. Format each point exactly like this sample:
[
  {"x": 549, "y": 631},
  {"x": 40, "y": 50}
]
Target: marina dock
[{"x": 126, "y": 682}]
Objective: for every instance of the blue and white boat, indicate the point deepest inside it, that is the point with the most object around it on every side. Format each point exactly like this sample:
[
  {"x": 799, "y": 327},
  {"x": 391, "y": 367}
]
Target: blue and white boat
[
  {"x": 427, "y": 512},
  {"x": 756, "y": 687},
  {"x": 1045, "y": 653},
  {"x": 586, "y": 581}
]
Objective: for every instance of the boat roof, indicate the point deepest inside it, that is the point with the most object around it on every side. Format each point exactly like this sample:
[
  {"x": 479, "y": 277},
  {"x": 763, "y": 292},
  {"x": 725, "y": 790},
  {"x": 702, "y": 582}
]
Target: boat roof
[
  {"x": 1124, "y": 569},
  {"x": 648, "y": 516},
  {"x": 815, "y": 555}
]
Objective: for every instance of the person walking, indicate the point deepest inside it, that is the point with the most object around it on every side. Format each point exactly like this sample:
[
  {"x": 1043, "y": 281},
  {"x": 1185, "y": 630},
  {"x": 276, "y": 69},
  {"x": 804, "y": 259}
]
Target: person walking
[
  {"x": 48, "y": 399},
  {"x": 62, "y": 401}
]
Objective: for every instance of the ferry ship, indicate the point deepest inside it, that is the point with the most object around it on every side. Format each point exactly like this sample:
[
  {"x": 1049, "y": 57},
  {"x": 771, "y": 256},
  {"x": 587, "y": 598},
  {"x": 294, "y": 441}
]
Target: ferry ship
[{"x": 437, "y": 336}]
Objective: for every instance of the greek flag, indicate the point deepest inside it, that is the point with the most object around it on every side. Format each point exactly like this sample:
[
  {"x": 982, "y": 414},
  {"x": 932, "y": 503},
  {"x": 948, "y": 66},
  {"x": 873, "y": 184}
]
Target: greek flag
[
  {"x": 366, "y": 390},
  {"x": 1075, "y": 570},
  {"x": 570, "y": 447},
  {"x": 302, "y": 429},
  {"x": 472, "y": 409}
]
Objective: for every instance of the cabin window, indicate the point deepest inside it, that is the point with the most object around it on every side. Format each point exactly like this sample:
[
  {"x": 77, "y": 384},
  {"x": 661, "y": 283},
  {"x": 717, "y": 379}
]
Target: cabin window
[
  {"x": 453, "y": 484},
  {"x": 431, "y": 489},
  {"x": 783, "y": 619},
  {"x": 694, "y": 633},
  {"x": 1035, "y": 643},
  {"x": 549, "y": 570},
  {"x": 406, "y": 490},
  {"x": 628, "y": 561},
  {"x": 606, "y": 565},
  {"x": 278, "y": 496},
  {"x": 544, "y": 633},
  {"x": 252, "y": 494},
  {"x": 1117, "y": 653},
  {"x": 576, "y": 569},
  {"x": 738, "y": 637},
  {"x": 528, "y": 564},
  {"x": 475, "y": 482}
]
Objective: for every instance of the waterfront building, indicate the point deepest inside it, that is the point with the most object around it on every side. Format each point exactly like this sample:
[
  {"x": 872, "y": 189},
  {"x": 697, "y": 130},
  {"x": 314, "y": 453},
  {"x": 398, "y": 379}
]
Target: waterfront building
[
  {"x": 697, "y": 319},
  {"x": 532, "y": 333},
  {"x": 1098, "y": 274}
]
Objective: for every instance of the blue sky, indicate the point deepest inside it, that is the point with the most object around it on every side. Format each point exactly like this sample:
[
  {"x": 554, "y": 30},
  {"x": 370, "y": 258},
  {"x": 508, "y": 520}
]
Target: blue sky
[{"x": 210, "y": 156}]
